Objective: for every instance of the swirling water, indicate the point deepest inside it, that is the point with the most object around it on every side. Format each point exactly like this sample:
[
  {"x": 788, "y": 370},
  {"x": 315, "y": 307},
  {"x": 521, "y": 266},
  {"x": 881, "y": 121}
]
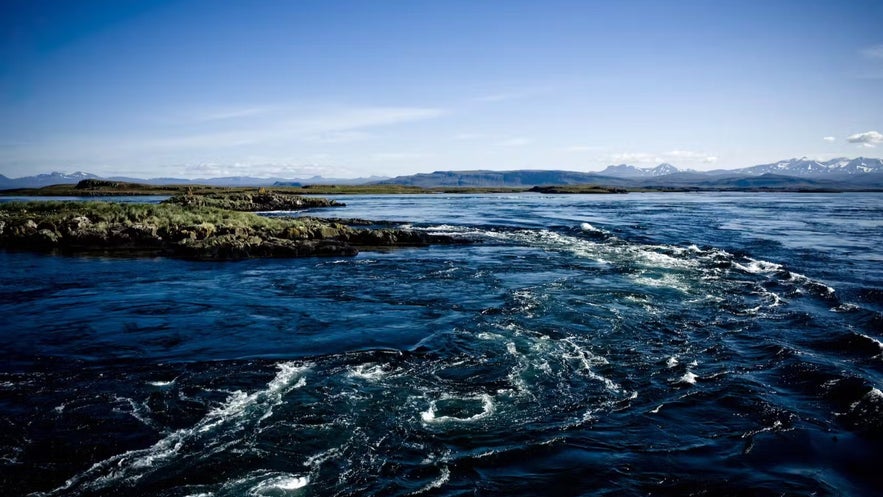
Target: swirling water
[{"x": 641, "y": 344}]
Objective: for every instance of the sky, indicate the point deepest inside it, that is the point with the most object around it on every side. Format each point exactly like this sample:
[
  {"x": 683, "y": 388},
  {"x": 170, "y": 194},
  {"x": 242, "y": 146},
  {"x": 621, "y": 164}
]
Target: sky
[{"x": 208, "y": 88}]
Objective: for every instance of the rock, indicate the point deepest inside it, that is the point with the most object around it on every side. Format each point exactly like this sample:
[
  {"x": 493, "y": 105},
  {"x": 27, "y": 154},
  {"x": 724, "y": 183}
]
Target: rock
[
  {"x": 46, "y": 237},
  {"x": 76, "y": 224},
  {"x": 252, "y": 202}
]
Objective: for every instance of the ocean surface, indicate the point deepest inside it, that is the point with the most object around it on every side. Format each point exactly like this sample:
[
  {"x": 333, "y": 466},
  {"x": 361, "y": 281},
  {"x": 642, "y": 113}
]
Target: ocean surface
[{"x": 640, "y": 344}]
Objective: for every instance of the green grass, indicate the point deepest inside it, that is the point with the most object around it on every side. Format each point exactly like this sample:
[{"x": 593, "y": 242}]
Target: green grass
[{"x": 163, "y": 216}]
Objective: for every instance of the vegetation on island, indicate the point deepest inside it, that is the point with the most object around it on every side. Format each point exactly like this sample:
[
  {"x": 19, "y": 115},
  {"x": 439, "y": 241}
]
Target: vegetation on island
[
  {"x": 261, "y": 200},
  {"x": 195, "y": 230}
]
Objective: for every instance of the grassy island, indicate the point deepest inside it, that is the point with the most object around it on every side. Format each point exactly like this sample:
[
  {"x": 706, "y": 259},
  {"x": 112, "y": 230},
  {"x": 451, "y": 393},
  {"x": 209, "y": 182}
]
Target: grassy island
[
  {"x": 192, "y": 227},
  {"x": 251, "y": 201}
]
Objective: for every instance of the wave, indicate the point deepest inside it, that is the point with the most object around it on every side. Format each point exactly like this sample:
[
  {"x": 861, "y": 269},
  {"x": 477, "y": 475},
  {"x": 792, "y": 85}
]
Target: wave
[{"x": 217, "y": 431}]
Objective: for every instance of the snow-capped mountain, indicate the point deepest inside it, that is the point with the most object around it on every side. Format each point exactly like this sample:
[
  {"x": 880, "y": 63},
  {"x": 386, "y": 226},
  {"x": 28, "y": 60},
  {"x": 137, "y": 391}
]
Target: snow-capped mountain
[
  {"x": 41, "y": 180},
  {"x": 808, "y": 167},
  {"x": 629, "y": 171}
]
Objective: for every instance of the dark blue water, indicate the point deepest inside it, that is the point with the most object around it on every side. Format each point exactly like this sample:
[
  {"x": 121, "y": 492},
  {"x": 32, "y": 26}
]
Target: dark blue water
[{"x": 641, "y": 344}]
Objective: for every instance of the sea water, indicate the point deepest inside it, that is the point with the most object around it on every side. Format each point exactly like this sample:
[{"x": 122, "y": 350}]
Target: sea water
[{"x": 640, "y": 344}]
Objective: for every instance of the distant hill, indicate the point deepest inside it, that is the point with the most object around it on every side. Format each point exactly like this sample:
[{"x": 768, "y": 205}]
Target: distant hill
[
  {"x": 57, "y": 178},
  {"x": 520, "y": 178}
]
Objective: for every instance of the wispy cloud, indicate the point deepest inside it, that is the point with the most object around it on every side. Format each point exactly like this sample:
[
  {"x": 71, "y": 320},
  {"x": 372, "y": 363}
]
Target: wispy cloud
[
  {"x": 502, "y": 96},
  {"x": 641, "y": 157},
  {"x": 397, "y": 156},
  {"x": 829, "y": 139},
  {"x": 470, "y": 136},
  {"x": 688, "y": 156},
  {"x": 223, "y": 114},
  {"x": 362, "y": 117},
  {"x": 582, "y": 148},
  {"x": 517, "y": 141},
  {"x": 868, "y": 139},
  {"x": 347, "y": 136},
  {"x": 276, "y": 170},
  {"x": 873, "y": 52},
  {"x": 273, "y": 136},
  {"x": 516, "y": 93},
  {"x": 332, "y": 125}
]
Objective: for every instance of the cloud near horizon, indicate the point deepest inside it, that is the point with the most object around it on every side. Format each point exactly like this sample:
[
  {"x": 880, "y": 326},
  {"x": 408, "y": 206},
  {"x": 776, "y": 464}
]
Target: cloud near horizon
[
  {"x": 868, "y": 139},
  {"x": 287, "y": 171},
  {"x": 673, "y": 155}
]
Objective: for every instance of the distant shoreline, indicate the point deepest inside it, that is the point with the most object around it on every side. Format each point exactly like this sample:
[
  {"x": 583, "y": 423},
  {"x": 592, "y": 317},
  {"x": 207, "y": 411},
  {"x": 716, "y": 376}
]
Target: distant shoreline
[{"x": 100, "y": 188}]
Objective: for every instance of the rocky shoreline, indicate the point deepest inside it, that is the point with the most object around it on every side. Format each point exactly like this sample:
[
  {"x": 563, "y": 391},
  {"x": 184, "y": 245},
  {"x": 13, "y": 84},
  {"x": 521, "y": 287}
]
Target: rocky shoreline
[
  {"x": 252, "y": 202},
  {"x": 193, "y": 228}
]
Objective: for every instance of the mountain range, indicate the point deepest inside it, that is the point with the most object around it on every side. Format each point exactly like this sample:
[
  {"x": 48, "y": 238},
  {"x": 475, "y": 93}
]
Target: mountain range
[
  {"x": 57, "y": 178},
  {"x": 793, "y": 174},
  {"x": 802, "y": 167},
  {"x": 803, "y": 173}
]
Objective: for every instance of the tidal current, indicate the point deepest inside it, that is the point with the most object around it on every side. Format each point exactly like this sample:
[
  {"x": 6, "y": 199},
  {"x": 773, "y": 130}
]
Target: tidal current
[{"x": 640, "y": 344}]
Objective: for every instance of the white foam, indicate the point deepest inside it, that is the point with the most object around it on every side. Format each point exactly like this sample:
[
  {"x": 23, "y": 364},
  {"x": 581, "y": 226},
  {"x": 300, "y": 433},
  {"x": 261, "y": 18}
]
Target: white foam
[
  {"x": 489, "y": 336},
  {"x": 588, "y": 360},
  {"x": 878, "y": 342},
  {"x": 756, "y": 266},
  {"x": 320, "y": 458},
  {"x": 370, "y": 372},
  {"x": 689, "y": 378},
  {"x": 437, "y": 483},
  {"x": 658, "y": 259},
  {"x": 845, "y": 307},
  {"x": 285, "y": 483},
  {"x": 487, "y": 408},
  {"x": 671, "y": 362},
  {"x": 132, "y": 465},
  {"x": 161, "y": 383},
  {"x": 665, "y": 281},
  {"x": 589, "y": 227}
]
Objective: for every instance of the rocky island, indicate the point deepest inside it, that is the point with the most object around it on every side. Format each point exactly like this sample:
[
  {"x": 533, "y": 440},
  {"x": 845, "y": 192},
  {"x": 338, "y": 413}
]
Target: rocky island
[
  {"x": 252, "y": 202},
  {"x": 201, "y": 227}
]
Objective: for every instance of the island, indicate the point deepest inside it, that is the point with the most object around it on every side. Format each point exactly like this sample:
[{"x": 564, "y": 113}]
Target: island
[{"x": 211, "y": 226}]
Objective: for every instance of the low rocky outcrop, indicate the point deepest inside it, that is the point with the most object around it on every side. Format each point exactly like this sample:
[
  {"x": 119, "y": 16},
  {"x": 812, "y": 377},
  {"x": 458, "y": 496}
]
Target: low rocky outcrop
[
  {"x": 194, "y": 232},
  {"x": 253, "y": 202}
]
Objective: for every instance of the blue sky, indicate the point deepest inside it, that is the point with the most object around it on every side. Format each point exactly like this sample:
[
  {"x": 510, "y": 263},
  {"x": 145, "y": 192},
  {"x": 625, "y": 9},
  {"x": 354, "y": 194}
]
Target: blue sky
[{"x": 343, "y": 89}]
